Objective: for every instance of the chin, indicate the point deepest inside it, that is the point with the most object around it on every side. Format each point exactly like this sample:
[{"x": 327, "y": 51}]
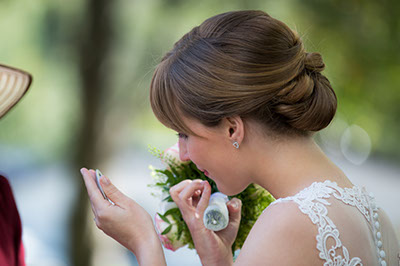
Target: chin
[{"x": 229, "y": 191}]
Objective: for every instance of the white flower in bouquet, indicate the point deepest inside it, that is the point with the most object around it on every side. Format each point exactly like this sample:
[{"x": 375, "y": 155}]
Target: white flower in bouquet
[{"x": 171, "y": 156}]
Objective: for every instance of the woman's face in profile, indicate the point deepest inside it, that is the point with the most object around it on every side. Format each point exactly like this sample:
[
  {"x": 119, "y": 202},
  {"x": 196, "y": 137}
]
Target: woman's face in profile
[{"x": 213, "y": 154}]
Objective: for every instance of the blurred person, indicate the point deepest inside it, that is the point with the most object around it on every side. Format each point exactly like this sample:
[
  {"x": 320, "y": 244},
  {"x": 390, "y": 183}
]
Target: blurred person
[
  {"x": 245, "y": 98},
  {"x": 13, "y": 85}
]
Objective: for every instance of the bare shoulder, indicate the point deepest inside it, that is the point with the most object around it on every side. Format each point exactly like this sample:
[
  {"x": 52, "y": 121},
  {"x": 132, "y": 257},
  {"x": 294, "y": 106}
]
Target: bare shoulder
[{"x": 282, "y": 235}]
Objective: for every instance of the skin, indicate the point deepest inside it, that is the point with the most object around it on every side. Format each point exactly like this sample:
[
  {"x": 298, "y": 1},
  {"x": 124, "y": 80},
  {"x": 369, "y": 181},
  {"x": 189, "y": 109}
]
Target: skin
[
  {"x": 282, "y": 165},
  {"x": 126, "y": 221}
]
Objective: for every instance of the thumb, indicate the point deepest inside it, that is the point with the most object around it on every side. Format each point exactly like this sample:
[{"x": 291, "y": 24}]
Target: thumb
[
  {"x": 230, "y": 232},
  {"x": 111, "y": 191},
  {"x": 235, "y": 211}
]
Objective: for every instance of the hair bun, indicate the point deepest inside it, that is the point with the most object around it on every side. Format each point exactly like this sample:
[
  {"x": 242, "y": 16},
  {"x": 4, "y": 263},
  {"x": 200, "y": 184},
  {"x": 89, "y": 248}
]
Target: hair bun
[
  {"x": 248, "y": 64},
  {"x": 314, "y": 109},
  {"x": 314, "y": 62}
]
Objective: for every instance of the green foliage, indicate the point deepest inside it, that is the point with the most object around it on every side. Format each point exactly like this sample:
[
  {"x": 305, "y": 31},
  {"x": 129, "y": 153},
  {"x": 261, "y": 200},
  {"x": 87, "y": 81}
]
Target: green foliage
[
  {"x": 360, "y": 48},
  {"x": 254, "y": 198},
  {"x": 358, "y": 40}
]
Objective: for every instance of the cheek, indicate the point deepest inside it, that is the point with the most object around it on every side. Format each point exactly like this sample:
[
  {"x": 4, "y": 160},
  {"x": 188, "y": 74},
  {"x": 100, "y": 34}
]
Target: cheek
[{"x": 195, "y": 151}]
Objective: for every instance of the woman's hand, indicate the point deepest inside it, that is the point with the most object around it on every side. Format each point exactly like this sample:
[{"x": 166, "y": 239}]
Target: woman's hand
[
  {"x": 126, "y": 221},
  {"x": 214, "y": 248}
]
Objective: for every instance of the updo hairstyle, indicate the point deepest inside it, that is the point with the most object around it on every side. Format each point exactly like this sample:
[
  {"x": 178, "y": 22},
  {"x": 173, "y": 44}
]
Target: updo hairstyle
[{"x": 247, "y": 64}]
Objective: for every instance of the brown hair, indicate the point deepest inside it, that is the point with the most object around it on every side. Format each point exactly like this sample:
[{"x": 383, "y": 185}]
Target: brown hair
[{"x": 243, "y": 63}]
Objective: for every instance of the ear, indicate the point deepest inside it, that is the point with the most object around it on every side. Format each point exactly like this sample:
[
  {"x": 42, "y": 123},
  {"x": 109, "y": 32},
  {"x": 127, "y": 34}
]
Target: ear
[{"x": 235, "y": 127}]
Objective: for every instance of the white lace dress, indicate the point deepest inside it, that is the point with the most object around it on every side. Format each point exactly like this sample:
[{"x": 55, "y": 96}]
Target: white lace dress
[{"x": 352, "y": 230}]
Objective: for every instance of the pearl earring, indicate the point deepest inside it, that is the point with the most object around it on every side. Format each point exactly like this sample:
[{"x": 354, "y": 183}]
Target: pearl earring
[{"x": 236, "y": 145}]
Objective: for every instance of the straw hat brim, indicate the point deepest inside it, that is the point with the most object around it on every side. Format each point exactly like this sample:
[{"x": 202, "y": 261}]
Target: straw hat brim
[{"x": 14, "y": 83}]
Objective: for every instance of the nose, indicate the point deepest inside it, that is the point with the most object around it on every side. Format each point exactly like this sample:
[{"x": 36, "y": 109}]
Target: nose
[{"x": 183, "y": 154}]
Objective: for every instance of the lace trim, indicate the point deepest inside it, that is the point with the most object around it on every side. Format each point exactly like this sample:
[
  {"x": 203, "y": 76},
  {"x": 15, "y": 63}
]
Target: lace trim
[{"x": 312, "y": 201}]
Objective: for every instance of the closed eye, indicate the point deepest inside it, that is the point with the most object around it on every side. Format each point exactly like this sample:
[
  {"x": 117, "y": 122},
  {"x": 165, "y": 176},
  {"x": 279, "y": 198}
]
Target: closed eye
[{"x": 182, "y": 136}]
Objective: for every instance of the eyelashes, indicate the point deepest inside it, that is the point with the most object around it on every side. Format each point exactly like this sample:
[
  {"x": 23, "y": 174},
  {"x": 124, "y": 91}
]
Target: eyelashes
[{"x": 182, "y": 136}]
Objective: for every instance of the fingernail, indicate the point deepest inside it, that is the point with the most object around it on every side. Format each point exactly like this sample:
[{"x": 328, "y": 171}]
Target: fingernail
[
  {"x": 105, "y": 180},
  {"x": 234, "y": 204},
  {"x": 82, "y": 169}
]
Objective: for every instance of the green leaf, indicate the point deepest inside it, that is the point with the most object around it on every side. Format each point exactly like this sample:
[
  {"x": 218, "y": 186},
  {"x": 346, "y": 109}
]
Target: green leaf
[
  {"x": 171, "y": 211},
  {"x": 166, "y": 231},
  {"x": 180, "y": 231},
  {"x": 167, "y": 198},
  {"x": 165, "y": 219},
  {"x": 174, "y": 171}
]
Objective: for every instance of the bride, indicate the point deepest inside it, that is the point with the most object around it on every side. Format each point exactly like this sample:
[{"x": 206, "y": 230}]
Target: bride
[{"x": 246, "y": 98}]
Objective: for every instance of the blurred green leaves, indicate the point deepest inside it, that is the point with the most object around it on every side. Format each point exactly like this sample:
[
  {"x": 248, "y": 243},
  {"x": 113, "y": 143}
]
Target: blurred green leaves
[{"x": 359, "y": 41}]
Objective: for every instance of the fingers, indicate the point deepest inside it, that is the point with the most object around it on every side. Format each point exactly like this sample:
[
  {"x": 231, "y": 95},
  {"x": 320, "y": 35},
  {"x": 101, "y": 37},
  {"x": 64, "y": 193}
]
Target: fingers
[
  {"x": 205, "y": 198},
  {"x": 111, "y": 191},
  {"x": 186, "y": 193},
  {"x": 175, "y": 190},
  {"x": 191, "y": 190},
  {"x": 234, "y": 208},
  {"x": 94, "y": 193}
]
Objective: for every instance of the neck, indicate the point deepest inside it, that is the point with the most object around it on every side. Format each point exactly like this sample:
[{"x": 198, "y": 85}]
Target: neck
[{"x": 287, "y": 167}]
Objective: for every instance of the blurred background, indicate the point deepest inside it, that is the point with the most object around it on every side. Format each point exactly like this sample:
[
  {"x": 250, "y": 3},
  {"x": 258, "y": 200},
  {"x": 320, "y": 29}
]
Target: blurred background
[{"x": 92, "y": 61}]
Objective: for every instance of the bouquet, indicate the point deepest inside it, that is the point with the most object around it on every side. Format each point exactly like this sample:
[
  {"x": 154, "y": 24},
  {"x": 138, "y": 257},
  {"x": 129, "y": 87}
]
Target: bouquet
[{"x": 171, "y": 228}]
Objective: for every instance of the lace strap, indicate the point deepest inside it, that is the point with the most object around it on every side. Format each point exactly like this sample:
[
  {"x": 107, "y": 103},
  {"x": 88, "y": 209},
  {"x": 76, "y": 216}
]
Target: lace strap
[{"x": 312, "y": 201}]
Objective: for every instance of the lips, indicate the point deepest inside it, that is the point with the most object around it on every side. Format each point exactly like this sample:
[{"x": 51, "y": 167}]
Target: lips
[{"x": 204, "y": 171}]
